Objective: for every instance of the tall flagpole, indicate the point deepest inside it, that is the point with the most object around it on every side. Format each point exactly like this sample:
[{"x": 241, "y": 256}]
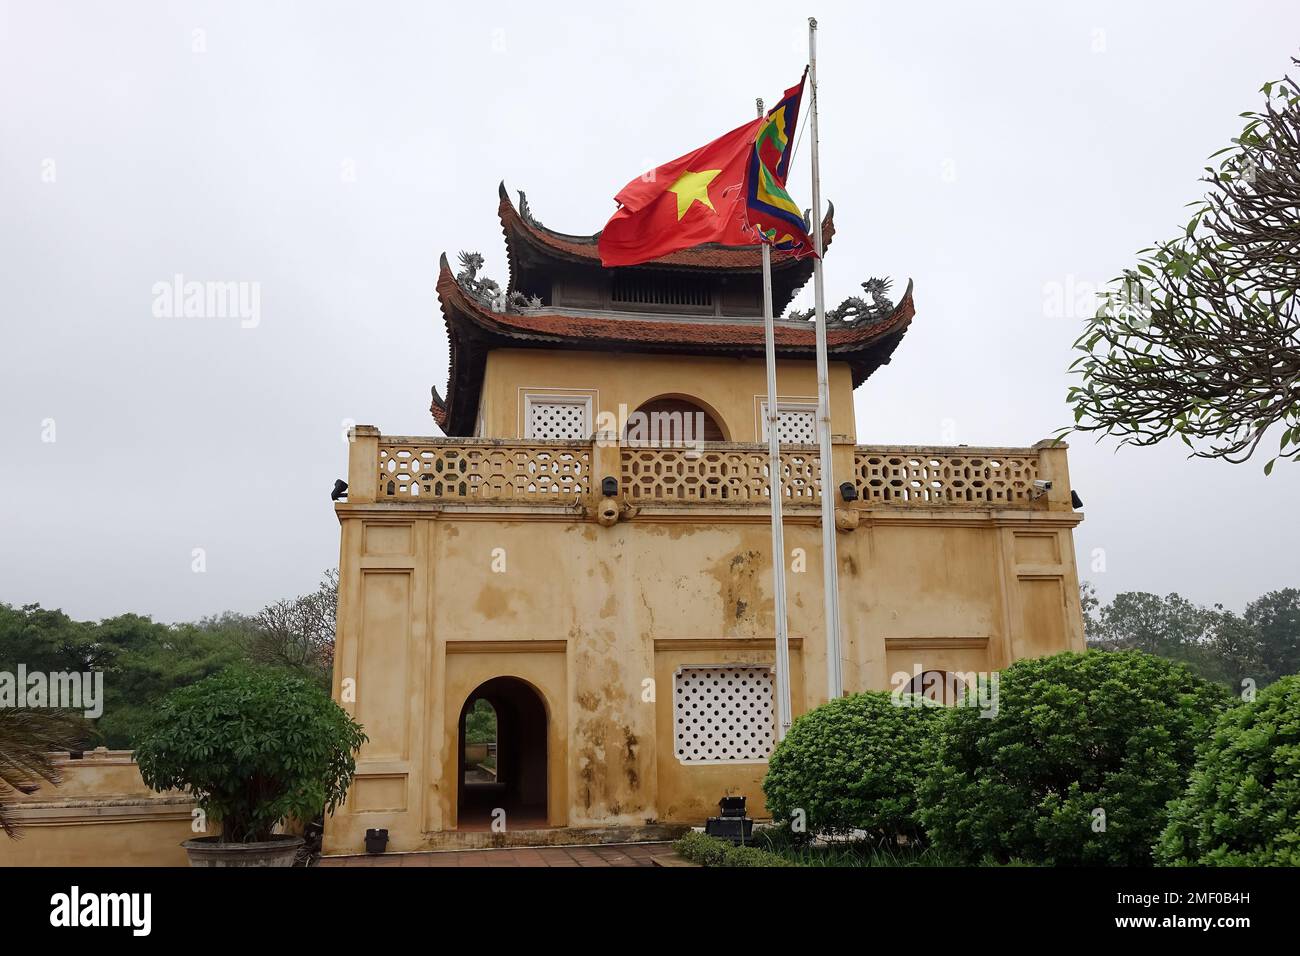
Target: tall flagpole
[
  {"x": 830, "y": 562},
  {"x": 783, "y": 707}
]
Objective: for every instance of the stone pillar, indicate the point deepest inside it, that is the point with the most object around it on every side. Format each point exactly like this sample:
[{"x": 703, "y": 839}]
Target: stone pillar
[
  {"x": 842, "y": 447},
  {"x": 606, "y": 462},
  {"x": 363, "y": 464},
  {"x": 1052, "y": 466}
]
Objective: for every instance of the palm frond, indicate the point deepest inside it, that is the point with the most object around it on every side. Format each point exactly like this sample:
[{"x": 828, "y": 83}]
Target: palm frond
[{"x": 27, "y": 738}]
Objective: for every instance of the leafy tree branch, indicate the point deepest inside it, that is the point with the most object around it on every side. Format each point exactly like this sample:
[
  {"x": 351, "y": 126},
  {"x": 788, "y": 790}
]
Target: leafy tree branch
[{"x": 1201, "y": 339}]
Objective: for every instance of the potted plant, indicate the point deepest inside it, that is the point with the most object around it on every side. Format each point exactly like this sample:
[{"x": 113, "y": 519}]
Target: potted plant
[{"x": 254, "y": 748}]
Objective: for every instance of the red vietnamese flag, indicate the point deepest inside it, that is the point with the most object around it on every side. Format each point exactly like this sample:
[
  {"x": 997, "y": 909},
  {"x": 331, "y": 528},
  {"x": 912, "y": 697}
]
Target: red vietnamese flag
[{"x": 696, "y": 198}]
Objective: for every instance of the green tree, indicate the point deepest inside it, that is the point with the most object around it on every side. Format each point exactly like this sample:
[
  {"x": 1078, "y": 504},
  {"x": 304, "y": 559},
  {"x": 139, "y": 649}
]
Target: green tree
[
  {"x": 142, "y": 660},
  {"x": 481, "y": 723},
  {"x": 1234, "y": 652},
  {"x": 298, "y": 634},
  {"x": 48, "y": 641},
  {"x": 254, "y": 747},
  {"x": 1261, "y": 645},
  {"x": 1275, "y": 619},
  {"x": 1171, "y": 626},
  {"x": 854, "y": 764},
  {"x": 1242, "y": 804},
  {"x": 167, "y": 657},
  {"x": 1201, "y": 339},
  {"x": 1077, "y": 766}
]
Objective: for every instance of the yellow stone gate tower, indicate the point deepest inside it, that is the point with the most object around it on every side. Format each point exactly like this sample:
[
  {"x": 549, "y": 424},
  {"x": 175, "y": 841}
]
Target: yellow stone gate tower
[{"x": 588, "y": 550}]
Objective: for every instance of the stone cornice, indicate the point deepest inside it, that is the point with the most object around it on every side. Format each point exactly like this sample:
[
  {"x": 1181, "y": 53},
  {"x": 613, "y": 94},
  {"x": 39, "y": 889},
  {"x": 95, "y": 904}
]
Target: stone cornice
[{"x": 713, "y": 514}]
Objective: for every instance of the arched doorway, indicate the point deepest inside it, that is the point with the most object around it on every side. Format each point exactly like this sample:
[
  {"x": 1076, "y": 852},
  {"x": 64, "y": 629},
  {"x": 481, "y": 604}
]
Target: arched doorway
[
  {"x": 672, "y": 420},
  {"x": 502, "y": 757}
]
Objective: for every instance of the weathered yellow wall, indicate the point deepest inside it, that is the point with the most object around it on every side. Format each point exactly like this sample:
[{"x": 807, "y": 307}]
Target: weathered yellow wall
[
  {"x": 730, "y": 388},
  {"x": 437, "y": 597},
  {"x": 101, "y": 814},
  {"x": 87, "y": 841},
  {"x": 439, "y": 600}
]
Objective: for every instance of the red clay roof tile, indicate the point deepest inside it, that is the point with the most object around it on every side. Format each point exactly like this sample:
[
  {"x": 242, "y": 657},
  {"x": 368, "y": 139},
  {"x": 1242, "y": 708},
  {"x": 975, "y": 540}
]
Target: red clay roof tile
[{"x": 473, "y": 329}]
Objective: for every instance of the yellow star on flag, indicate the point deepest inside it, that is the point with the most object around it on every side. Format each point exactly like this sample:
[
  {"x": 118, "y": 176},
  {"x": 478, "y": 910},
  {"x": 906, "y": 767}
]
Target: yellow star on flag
[{"x": 693, "y": 187}]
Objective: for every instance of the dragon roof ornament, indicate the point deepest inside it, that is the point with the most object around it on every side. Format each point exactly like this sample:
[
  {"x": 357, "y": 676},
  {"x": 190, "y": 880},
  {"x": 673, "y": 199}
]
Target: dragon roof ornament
[
  {"x": 488, "y": 291},
  {"x": 855, "y": 311}
]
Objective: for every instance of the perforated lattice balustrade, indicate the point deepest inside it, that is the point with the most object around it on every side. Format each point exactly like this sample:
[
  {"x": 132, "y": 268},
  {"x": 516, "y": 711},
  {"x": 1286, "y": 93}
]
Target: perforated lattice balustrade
[
  {"x": 717, "y": 474},
  {"x": 559, "y": 472},
  {"x": 941, "y": 478},
  {"x": 488, "y": 472}
]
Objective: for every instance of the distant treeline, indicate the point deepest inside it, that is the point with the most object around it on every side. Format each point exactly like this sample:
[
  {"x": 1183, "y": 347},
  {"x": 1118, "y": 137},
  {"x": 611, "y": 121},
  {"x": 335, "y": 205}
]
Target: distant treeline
[
  {"x": 142, "y": 660},
  {"x": 1261, "y": 644}
]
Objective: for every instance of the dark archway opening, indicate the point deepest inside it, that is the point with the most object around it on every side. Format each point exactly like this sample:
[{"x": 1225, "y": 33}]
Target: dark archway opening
[
  {"x": 502, "y": 757},
  {"x": 671, "y": 421}
]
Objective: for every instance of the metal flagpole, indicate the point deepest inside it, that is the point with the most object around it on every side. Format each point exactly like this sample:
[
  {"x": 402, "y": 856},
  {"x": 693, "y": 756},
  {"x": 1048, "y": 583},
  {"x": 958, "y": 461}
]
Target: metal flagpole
[
  {"x": 830, "y": 563},
  {"x": 784, "y": 715}
]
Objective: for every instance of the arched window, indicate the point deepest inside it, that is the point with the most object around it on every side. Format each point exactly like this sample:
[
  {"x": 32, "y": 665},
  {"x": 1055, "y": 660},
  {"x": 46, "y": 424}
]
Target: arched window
[{"x": 670, "y": 421}]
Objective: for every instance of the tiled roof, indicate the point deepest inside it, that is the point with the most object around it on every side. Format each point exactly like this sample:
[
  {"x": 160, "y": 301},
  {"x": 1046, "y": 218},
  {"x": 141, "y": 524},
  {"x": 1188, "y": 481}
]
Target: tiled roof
[{"x": 473, "y": 329}]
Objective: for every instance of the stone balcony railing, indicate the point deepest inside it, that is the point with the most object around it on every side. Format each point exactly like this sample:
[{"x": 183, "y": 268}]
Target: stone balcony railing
[
  {"x": 568, "y": 473},
  {"x": 434, "y": 469}
]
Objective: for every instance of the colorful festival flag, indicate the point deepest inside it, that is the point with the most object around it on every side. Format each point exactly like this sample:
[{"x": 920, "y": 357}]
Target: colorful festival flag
[
  {"x": 769, "y": 210},
  {"x": 730, "y": 191}
]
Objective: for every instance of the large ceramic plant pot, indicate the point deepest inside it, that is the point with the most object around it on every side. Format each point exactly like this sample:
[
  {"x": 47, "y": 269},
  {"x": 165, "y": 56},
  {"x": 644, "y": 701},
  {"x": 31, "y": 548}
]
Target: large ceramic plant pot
[{"x": 208, "y": 851}]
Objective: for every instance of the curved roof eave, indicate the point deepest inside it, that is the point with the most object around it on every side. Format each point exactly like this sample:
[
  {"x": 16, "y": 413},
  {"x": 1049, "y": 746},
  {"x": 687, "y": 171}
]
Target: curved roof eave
[{"x": 473, "y": 330}]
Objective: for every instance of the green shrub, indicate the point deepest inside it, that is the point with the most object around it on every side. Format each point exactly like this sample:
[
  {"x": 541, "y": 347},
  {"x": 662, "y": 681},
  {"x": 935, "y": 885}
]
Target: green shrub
[
  {"x": 710, "y": 851},
  {"x": 253, "y": 747},
  {"x": 1242, "y": 806},
  {"x": 752, "y": 856},
  {"x": 702, "y": 849},
  {"x": 1075, "y": 736},
  {"x": 854, "y": 764}
]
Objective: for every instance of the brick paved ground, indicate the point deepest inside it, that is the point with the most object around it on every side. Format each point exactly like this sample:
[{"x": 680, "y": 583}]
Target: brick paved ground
[{"x": 611, "y": 854}]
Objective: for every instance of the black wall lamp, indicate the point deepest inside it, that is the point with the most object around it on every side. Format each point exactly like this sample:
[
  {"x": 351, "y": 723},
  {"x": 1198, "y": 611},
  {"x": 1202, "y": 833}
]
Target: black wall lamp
[
  {"x": 340, "y": 490},
  {"x": 848, "y": 491},
  {"x": 609, "y": 486}
]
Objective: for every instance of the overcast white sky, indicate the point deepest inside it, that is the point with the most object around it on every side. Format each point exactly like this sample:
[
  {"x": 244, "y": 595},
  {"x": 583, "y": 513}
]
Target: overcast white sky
[{"x": 997, "y": 153}]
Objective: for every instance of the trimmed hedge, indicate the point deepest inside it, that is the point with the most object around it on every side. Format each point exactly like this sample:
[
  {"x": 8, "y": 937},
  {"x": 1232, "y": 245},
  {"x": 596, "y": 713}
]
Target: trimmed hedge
[
  {"x": 710, "y": 851},
  {"x": 1075, "y": 736},
  {"x": 1242, "y": 805},
  {"x": 854, "y": 764}
]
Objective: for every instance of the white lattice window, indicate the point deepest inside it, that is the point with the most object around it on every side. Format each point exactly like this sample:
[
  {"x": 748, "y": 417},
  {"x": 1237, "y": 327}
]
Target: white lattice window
[
  {"x": 557, "y": 416},
  {"x": 723, "y": 714},
  {"x": 796, "y": 424}
]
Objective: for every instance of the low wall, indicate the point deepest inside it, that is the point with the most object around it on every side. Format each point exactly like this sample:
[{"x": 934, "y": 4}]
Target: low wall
[{"x": 102, "y": 814}]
